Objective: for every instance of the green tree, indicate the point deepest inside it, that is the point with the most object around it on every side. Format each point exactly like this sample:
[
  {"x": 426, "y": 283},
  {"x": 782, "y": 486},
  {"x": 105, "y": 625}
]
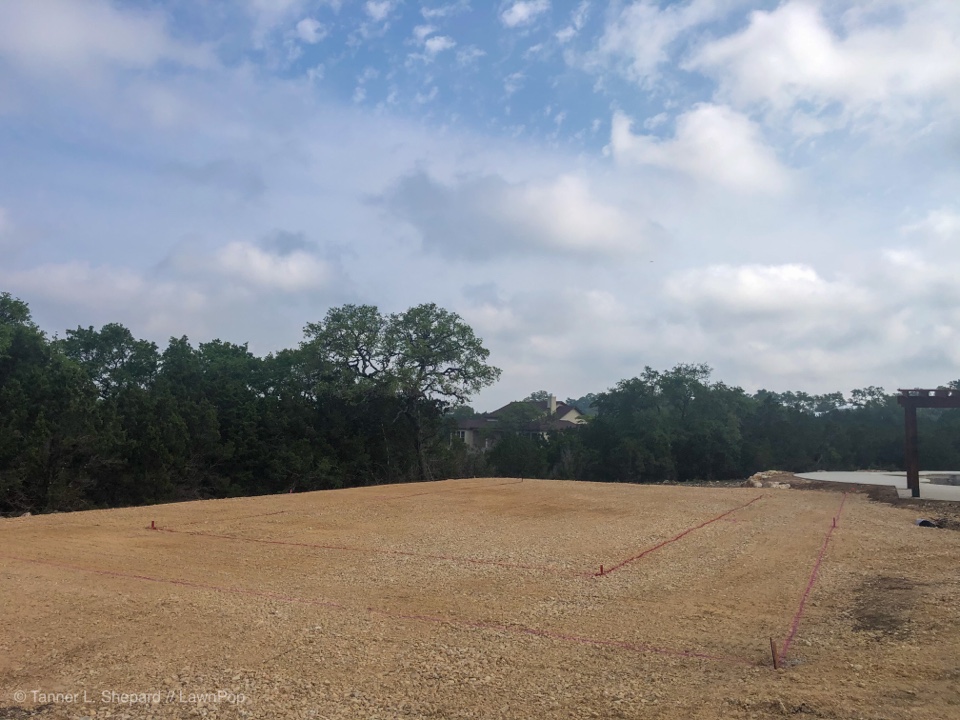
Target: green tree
[
  {"x": 14, "y": 311},
  {"x": 462, "y": 412},
  {"x": 537, "y": 396},
  {"x": 426, "y": 358},
  {"x": 586, "y": 404},
  {"x": 45, "y": 418},
  {"x": 112, "y": 357},
  {"x": 516, "y": 455}
]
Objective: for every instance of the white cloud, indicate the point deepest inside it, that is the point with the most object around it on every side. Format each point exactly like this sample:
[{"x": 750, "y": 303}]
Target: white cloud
[
  {"x": 246, "y": 299},
  {"x": 432, "y": 44},
  {"x": 533, "y": 51},
  {"x": 781, "y": 326},
  {"x": 421, "y": 32},
  {"x": 563, "y": 326},
  {"x": 282, "y": 262},
  {"x": 567, "y": 212},
  {"x": 524, "y": 12},
  {"x": 788, "y": 291},
  {"x": 652, "y": 123},
  {"x": 442, "y": 11},
  {"x": 791, "y": 59},
  {"x": 712, "y": 143},
  {"x": 311, "y": 31},
  {"x": 469, "y": 55},
  {"x": 99, "y": 285},
  {"x": 270, "y": 13},
  {"x": 488, "y": 218},
  {"x": 639, "y": 38},
  {"x": 782, "y": 321},
  {"x": 379, "y": 10},
  {"x": 895, "y": 318},
  {"x": 109, "y": 294},
  {"x": 941, "y": 226},
  {"x": 235, "y": 288},
  {"x": 422, "y": 98},
  {"x": 763, "y": 291},
  {"x": 513, "y": 82},
  {"x": 577, "y": 20},
  {"x": 438, "y": 44},
  {"x": 66, "y": 37},
  {"x": 360, "y": 91},
  {"x": 298, "y": 270}
]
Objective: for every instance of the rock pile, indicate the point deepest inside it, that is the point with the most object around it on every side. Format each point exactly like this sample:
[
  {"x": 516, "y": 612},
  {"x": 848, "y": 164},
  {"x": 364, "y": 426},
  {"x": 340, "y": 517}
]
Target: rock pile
[{"x": 766, "y": 479}]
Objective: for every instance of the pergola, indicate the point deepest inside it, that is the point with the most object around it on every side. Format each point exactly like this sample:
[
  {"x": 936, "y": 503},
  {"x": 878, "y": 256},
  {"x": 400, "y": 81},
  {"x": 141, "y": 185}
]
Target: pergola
[{"x": 910, "y": 400}]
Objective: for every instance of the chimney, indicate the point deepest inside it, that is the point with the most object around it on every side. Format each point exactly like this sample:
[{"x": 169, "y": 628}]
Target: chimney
[{"x": 553, "y": 405}]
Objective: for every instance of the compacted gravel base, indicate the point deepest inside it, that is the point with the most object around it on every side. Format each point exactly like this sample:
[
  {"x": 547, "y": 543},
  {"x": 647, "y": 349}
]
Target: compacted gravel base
[{"x": 483, "y": 598}]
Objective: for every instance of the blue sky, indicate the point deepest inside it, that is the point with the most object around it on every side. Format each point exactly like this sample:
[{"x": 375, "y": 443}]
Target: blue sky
[{"x": 768, "y": 187}]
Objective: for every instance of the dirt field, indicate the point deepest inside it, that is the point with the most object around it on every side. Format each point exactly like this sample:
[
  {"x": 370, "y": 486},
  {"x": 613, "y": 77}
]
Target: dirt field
[{"x": 482, "y": 599}]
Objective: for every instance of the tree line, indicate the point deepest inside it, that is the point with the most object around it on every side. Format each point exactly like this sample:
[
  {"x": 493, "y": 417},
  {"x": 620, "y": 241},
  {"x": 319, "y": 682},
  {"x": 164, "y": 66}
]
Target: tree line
[
  {"x": 99, "y": 418},
  {"x": 680, "y": 425}
]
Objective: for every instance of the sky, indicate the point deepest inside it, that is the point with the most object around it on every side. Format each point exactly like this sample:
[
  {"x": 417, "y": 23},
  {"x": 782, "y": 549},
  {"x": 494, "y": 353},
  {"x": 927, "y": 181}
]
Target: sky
[{"x": 771, "y": 188}]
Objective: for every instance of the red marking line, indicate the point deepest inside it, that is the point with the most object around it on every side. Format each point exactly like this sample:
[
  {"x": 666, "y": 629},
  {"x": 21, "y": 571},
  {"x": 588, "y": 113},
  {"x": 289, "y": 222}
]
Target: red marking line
[
  {"x": 390, "y": 498},
  {"x": 537, "y": 632},
  {"x": 434, "y": 492},
  {"x": 622, "y": 563},
  {"x": 513, "y": 629},
  {"x": 451, "y": 558},
  {"x": 242, "y": 517},
  {"x": 183, "y": 583},
  {"x": 795, "y": 626}
]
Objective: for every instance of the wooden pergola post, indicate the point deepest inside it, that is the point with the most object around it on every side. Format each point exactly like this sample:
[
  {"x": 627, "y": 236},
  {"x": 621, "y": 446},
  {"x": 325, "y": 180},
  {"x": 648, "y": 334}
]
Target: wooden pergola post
[
  {"x": 910, "y": 400},
  {"x": 911, "y": 448}
]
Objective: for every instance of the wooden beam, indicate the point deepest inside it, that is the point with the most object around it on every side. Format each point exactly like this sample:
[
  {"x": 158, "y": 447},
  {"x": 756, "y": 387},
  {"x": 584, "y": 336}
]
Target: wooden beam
[
  {"x": 928, "y": 402},
  {"x": 911, "y": 448}
]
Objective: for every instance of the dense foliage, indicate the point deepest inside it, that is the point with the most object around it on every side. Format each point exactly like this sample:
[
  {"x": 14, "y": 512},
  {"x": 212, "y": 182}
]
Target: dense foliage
[
  {"x": 679, "y": 425},
  {"x": 99, "y": 418}
]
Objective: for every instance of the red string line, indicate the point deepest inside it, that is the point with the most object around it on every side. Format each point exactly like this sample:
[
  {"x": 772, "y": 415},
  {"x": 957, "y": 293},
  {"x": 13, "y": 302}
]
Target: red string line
[
  {"x": 656, "y": 547},
  {"x": 232, "y": 519},
  {"x": 479, "y": 625},
  {"x": 435, "y": 492},
  {"x": 795, "y": 625},
  {"x": 451, "y": 558}
]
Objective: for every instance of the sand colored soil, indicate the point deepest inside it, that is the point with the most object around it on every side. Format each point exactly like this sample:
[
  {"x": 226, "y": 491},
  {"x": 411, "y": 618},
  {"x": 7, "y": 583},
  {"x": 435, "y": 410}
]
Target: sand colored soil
[{"x": 482, "y": 599}]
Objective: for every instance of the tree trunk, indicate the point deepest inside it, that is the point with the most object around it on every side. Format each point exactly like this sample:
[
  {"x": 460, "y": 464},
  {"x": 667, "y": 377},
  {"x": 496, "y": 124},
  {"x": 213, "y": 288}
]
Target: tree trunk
[{"x": 421, "y": 460}]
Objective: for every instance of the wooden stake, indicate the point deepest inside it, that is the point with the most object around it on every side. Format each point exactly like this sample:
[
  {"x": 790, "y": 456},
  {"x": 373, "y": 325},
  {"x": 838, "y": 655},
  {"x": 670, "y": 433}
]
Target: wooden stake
[
  {"x": 601, "y": 569},
  {"x": 773, "y": 651},
  {"x": 153, "y": 525}
]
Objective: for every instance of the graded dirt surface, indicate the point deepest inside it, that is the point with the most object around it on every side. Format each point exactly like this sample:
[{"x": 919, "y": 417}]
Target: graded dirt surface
[{"x": 480, "y": 599}]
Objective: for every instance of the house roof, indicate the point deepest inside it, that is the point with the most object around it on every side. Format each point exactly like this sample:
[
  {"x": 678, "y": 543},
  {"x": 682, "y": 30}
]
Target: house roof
[
  {"x": 552, "y": 422},
  {"x": 543, "y": 405}
]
